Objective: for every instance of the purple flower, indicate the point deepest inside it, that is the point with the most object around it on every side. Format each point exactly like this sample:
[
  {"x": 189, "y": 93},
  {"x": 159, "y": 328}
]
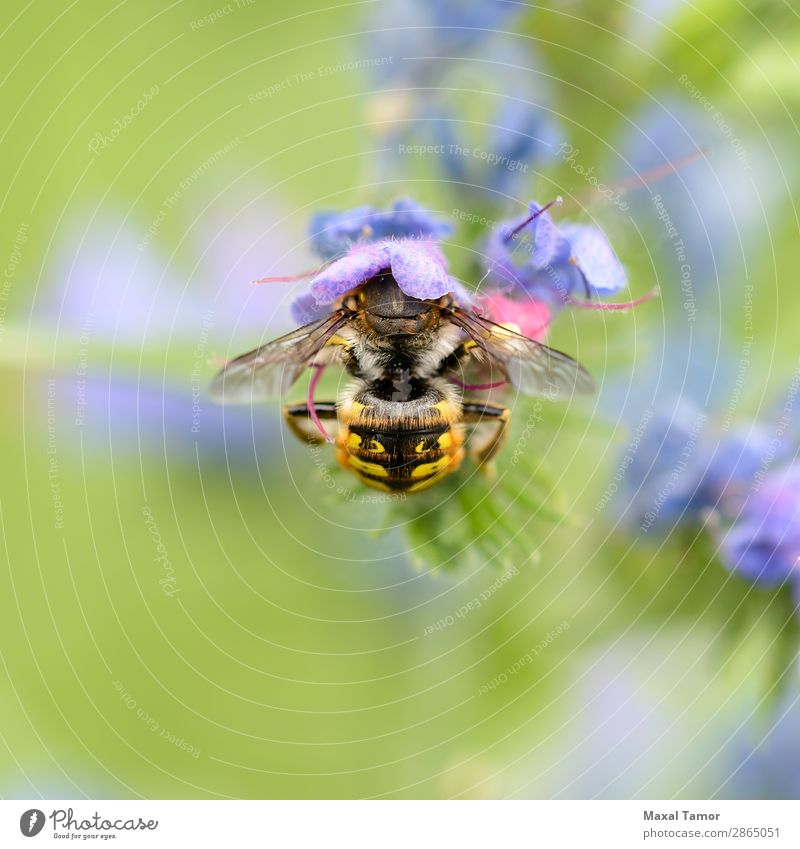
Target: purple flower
[
  {"x": 305, "y": 309},
  {"x": 763, "y": 542},
  {"x": 135, "y": 416},
  {"x": 468, "y": 15},
  {"x": 495, "y": 153},
  {"x": 767, "y": 763},
  {"x": 334, "y": 233},
  {"x": 418, "y": 29},
  {"x": 419, "y": 268},
  {"x": 664, "y": 465},
  {"x": 678, "y": 469},
  {"x": 555, "y": 264}
]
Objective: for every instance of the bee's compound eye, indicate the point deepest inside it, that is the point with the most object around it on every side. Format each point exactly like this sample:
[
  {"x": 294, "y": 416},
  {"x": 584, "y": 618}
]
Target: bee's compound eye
[{"x": 362, "y": 298}]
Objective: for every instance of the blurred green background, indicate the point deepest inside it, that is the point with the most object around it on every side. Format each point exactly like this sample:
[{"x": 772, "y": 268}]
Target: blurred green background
[{"x": 186, "y": 609}]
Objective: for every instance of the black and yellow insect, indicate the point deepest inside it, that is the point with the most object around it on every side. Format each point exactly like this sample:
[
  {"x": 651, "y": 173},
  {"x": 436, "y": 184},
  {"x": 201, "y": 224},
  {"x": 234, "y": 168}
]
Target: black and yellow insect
[{"x": 403, "y": 420}]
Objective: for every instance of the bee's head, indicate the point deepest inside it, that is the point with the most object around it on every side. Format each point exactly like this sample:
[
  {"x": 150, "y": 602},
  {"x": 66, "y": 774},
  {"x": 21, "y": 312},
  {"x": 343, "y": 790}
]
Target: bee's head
[{"x": 388, "y": 311}]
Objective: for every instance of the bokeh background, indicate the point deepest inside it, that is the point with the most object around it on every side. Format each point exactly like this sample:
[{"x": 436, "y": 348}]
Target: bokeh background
[{"x": 188, "y": 607}]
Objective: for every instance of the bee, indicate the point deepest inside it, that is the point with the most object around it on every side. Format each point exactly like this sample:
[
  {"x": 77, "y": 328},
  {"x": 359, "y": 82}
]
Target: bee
[{"x": 404, "y": 417}]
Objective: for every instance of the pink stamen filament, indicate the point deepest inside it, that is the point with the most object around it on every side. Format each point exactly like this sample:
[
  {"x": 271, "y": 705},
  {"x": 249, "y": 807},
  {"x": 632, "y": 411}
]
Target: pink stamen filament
[
  {"x": 592, "y": 305},
  {"x": 646, "y": 178},
  {"x": 312, "y": 410},
  {"x": 527, "y": 221},
  {"x": 652, "y": 175}
]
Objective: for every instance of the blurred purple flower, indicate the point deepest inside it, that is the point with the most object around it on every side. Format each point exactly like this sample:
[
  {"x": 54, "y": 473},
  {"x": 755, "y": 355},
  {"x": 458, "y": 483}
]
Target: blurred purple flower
[
  {"x": 518, "y": 137},
  {"x": 488, "y": 118},
  {"x": 107, "y": 285},
  {"x": 703, "y": 223},
  {"x": 470, "y": 15},
  {"x": 455, "y": 92},
  {"x": 554, "y": 264},
  {"x": 305, "y": 309},
  {"x": 118, "y": 415},
  {"x": 664, "y": 464},
  {"x": 768, "y": 768},
  {"x": 335, "y": 233},
  {"x": 763, "y": 542},
  {"x": 677, "y": 471},
  {"x": 415, "y": 28}
]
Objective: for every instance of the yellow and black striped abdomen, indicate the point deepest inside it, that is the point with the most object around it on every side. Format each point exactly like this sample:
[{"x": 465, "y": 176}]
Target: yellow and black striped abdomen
[
  {"x": 400, "y": 460},
  {"x": 400, "y": 446}
]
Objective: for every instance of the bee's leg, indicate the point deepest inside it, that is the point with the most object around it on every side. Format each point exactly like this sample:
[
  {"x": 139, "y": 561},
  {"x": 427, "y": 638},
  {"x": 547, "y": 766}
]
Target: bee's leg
[
  {"x": 486, "y": 413},
  {"x": 298, "y": 417}
]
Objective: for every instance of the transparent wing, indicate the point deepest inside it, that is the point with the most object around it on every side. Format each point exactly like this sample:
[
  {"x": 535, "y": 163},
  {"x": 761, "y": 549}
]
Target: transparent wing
[
  {"x": 271, "y": 369},
  {"x": 531, "y": 366}
]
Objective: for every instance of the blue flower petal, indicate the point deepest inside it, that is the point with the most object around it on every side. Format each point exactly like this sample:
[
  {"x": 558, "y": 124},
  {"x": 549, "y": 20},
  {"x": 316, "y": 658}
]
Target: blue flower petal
[
  {"x": 763, "y": 544},
  {"x": 305, "y": 309},
  {"x": 419, "y": 269},
  {"x": 538, "y": 242},
  {"x": 595, "y": 258},
  {"x": 361, "y": 263},
  {"x": 547, "y": 241},
  {"x": 406, "y": 218},
  {"x": 461, "y": 296},
  {"x": 334, "y": 233}
]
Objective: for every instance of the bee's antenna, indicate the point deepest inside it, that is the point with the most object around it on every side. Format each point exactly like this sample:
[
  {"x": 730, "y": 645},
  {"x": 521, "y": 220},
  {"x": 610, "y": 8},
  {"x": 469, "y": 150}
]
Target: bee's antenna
[{"x": 556, "y": 201}]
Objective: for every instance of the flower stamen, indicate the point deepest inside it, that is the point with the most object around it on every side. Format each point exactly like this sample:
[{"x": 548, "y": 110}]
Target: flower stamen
[
  {"x": 556, "y": 201},
  {"x": 625, "y": 305}
]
